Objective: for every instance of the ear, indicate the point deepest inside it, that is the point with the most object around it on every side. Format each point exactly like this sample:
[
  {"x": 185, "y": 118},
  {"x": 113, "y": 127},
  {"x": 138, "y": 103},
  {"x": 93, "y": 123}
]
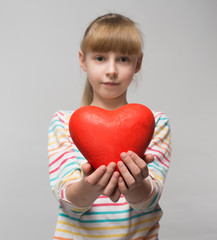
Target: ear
[
  {"x": 139, "y": 63},
  {"x": 82, "y": 61}
]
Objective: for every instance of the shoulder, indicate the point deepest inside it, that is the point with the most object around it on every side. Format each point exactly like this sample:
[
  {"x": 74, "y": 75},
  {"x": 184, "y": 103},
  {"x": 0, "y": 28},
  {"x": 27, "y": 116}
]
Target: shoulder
[
  {"x": 62, "y": 116},
  {"x": 60, "y": 120},
  {"x": 159, "y": 115},
  {"x": 160, "y": 118}
]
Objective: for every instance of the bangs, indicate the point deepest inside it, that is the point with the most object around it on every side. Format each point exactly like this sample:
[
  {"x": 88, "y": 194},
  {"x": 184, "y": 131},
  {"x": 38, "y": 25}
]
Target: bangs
[{"x": 117, "y": 37}]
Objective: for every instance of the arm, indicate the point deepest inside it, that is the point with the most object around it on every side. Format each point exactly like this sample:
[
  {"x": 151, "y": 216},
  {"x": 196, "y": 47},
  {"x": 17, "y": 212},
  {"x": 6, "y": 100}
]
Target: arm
[
  {"x": 69, "y": 181},
  {"x": 142, "y": 185},
  {"x": 64, "y": 161}
]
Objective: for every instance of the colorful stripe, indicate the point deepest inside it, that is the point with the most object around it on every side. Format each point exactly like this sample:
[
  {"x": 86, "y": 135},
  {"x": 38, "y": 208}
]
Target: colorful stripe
[
  {"x": 108, "y": 220},
  {"x": 105, "y": 219}
]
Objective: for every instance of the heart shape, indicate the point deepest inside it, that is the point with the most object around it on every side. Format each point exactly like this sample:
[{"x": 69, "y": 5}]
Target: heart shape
[{"x": 102, "y": 135}]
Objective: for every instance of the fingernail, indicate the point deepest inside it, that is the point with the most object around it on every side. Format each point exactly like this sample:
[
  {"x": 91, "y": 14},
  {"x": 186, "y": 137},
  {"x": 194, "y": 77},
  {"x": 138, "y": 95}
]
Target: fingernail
[
  {"x": 112, "y": 165},
  {"x": 120, "y": 164},
  {"x": 103, "y": 167},
  {"x": 123, "y": 155},
  {"x": 130, "y": 152}
]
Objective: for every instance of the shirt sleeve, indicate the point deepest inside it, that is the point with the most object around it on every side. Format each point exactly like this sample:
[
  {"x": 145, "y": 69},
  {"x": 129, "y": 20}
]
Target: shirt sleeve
[
  {"x": 160, "y": 148},
  {"x": 64, "y": 161}
]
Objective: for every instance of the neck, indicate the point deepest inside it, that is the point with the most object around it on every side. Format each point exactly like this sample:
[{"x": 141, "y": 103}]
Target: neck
[{"x": 109, "y": 104}]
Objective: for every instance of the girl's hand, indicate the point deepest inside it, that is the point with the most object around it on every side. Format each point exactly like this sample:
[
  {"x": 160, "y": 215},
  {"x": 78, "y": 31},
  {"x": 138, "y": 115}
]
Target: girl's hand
[
  {"x": 104, "y": 180},
  {"x": 134, "y": 171}
]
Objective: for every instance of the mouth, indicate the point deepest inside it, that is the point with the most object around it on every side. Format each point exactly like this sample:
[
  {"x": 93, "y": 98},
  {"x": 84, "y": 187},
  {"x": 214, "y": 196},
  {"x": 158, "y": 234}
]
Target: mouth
[{"x": 110, "y": 83}]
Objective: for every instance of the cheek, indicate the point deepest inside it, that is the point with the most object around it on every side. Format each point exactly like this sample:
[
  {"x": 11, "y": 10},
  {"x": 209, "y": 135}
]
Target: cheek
[
  {"x": 91, "y": 75},
  {"x": 93, "y": 72},
  {"x": 92, "y": 80},
  {"x": 128, "y": 76}
]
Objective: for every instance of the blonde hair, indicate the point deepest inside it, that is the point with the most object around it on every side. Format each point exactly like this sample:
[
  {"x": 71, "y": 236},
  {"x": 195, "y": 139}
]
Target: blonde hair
[{"x": 110, "y": 32}]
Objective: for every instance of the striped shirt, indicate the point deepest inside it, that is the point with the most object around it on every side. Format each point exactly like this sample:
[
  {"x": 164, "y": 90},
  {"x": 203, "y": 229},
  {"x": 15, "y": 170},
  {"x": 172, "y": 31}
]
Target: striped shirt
[{"x": 105, "y": 219}]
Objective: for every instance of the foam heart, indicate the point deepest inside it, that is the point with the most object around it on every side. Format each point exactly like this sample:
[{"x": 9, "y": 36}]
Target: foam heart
[{"x": 102, "y": 135}]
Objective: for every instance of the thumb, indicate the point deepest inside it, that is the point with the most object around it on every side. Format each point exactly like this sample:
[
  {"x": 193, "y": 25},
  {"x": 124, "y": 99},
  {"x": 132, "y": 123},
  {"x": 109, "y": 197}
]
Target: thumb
[
  {"x": 86, "y": 168},
  {"x": 149, "y": 158}
]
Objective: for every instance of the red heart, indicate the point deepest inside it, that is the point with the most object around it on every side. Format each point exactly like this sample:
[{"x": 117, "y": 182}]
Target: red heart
[{"x": 102, "y": 135}]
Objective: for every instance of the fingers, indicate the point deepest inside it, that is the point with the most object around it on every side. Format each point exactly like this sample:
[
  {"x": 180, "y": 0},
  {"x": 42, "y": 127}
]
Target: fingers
[
  {"x": 126, "y": 174},
  {"x": 86, "y": 168},
  {"x": 122, "y": 186},
  {"x": 95, "y": 176},
  {"x": 149, "y": 158},
  {"x": 103, "y": 181},
  {"x": 141, "y": 164},
  {"x": 115, "y": 196},
  {"x": 101, "y": 177},
  {"x": 110, "y": 188},
  {"x": 106, "y": 181},
  {"x": 133, "y": 169}
]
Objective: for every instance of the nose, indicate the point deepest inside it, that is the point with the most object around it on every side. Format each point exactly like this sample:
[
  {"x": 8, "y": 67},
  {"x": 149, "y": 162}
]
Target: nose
[{"x": 112, "y": 70}]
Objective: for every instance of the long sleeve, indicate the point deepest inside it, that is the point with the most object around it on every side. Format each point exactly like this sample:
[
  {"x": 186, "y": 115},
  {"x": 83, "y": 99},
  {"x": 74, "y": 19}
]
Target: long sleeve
[
  {"x": 64, "y": 161},
  {"x": 160, "y": 148}
]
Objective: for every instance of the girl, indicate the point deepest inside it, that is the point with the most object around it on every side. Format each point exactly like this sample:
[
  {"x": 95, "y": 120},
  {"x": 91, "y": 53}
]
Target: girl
[{"x": 104, "y": 203}]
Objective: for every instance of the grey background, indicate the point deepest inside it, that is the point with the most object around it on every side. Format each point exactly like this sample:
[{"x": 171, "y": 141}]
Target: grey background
[{"x": 40, "y": 74}]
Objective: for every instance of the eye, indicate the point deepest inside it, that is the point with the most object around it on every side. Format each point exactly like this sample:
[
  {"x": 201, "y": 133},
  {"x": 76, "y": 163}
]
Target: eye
[
  {"x": 124, "y": 59},
  {"x": 100, "y": 58}
]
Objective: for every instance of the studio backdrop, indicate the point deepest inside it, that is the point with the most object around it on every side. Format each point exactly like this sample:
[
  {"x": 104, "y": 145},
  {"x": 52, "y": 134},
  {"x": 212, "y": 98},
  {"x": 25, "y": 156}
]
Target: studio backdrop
[{"x": 40, "y": 74}]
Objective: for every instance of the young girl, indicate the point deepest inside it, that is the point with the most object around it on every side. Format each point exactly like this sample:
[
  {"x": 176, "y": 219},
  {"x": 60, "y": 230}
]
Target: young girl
[{"x": 104, "y": 203}]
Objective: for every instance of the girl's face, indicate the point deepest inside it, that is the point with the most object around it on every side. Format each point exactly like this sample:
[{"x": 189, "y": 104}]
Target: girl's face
[{"x": 109, "y": 73}]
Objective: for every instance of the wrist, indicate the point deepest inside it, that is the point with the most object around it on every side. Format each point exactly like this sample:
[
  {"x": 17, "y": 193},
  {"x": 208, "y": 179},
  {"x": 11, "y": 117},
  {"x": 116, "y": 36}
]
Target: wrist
[
  {"x": 76, "y": 193},
  {"x": 140, "y": 193}
]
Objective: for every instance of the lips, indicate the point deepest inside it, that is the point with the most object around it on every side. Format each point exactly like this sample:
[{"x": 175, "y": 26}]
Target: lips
[{"x": 111, "y": 83}]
